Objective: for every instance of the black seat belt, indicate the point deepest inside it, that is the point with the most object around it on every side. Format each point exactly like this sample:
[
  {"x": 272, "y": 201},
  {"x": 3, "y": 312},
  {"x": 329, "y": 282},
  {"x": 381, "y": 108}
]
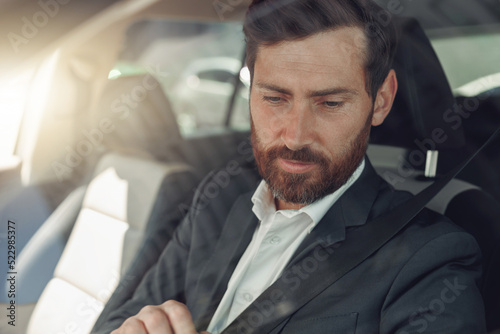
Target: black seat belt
[{"x": 283, "y": 298}]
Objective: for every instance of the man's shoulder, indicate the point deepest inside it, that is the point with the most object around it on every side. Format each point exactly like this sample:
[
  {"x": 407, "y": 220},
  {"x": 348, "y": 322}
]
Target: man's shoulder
[
  {"x": 426, "y": 226},
  {"x": 232, "y": 180},
  {"x": 436, "y": 235},
  {"x": 221, "y": 188},
  {"x": 432, "y": 222}
]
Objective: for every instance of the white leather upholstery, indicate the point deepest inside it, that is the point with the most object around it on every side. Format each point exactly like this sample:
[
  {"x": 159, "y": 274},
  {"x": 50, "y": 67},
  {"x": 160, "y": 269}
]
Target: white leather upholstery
[{"x": 108, "y": 231}]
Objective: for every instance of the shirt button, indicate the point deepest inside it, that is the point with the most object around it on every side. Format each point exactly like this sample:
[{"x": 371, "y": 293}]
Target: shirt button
[
  {"x": 248, "y": 297},
  {"x": 275, "y": 240}
]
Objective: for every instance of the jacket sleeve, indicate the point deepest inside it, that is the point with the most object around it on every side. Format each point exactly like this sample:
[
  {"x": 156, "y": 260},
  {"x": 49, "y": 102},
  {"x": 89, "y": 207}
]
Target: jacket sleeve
[{"x": 436, "y": 291}]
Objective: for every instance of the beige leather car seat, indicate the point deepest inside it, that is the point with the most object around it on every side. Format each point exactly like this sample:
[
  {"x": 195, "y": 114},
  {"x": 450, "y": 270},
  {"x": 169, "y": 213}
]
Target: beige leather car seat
[
  {"x": 134, "y": 191},
  {"x": 109, "y": 230}
]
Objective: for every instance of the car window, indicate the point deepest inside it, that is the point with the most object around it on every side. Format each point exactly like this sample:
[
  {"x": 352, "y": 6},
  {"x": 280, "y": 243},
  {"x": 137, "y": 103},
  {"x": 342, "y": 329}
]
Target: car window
[
  {"x": 197, "y": 65},
  {"x": 216, "y": 75},
  {"x": 13, "y": 93},
  {"x": 456, "y": 52}
]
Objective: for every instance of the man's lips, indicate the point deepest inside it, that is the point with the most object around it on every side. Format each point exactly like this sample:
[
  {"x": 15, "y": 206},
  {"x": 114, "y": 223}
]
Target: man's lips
[{"x": 295, "y": 167}]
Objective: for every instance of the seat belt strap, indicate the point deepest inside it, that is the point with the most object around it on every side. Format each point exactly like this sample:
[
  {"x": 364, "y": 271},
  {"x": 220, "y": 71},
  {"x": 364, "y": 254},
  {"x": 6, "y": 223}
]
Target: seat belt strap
[{"x": 285, "y": 296}]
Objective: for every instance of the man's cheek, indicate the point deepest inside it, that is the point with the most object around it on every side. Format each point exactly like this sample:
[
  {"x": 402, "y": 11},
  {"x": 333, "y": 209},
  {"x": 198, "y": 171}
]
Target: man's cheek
[
  {"x": 275, "y": 123},
  {"x": 266, "y": 136},
  {"x": 268, "y": 129}
]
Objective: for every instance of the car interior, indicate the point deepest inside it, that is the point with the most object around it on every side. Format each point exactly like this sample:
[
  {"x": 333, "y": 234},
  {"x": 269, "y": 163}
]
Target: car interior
[{"x": 106, "y": 160}]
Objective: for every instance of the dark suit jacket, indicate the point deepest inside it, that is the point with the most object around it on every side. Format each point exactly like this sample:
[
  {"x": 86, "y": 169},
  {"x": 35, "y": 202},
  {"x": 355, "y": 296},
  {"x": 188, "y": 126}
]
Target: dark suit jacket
[{"x": 423, "y": 280}]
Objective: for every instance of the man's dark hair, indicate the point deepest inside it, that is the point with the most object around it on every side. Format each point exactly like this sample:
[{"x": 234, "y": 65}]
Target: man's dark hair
[{"x": 272, "y": 21}]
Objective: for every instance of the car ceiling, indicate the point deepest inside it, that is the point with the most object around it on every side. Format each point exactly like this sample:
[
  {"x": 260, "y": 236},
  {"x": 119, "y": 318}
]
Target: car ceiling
[
  {"x": 432, "y": 14},
  {"x": 14, "y": 14},
  {"x": 439, "y": 14},
  {"x": 73, "y": 13}
]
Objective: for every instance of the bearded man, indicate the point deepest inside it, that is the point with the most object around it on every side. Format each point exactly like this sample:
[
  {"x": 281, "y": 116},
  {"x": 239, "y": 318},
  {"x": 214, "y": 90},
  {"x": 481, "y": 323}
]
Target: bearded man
[{"x": 320, "y": 79}]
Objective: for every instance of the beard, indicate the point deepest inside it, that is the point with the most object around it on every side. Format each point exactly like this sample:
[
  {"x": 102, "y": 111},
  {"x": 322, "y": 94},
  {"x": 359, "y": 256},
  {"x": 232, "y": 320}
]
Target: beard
[{"x": 327, "y": 177}]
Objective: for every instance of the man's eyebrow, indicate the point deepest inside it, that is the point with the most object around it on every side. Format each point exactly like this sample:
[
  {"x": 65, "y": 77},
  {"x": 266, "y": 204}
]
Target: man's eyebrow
[
  {"x": 333, "y": 91},
  {"x": 319, "y": 93},
  {"x": 273, "y": 88}
]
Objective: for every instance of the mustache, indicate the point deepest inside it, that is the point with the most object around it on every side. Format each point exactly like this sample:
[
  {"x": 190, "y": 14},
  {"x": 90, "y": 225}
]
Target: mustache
[{"x": 305, "y": 155}]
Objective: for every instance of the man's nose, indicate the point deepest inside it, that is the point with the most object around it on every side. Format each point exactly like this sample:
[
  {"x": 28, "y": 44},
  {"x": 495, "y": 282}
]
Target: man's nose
[{"x": 298, "y": 127}]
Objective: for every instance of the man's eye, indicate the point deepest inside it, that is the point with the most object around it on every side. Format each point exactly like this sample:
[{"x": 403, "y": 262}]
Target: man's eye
[
  {"x": 273, "y": 99},
  {"x": 333, "y": 104}
]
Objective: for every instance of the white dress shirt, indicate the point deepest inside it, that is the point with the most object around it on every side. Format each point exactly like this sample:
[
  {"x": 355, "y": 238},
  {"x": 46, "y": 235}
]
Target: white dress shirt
[{"x": 275, "y": 240}]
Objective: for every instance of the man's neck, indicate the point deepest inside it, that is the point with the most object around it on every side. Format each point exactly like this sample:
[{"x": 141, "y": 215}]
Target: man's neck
[{"x": 282, "y": 205}]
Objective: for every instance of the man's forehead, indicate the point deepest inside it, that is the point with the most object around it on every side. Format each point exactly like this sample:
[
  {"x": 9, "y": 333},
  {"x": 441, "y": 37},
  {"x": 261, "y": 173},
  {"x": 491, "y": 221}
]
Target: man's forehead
[
  {"x": 347, "y": 43},
  {"x": 332, "y": 55}
]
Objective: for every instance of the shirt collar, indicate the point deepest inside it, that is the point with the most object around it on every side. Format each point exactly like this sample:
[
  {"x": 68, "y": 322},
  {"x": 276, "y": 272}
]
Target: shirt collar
[{"x": 264, "y": 201}]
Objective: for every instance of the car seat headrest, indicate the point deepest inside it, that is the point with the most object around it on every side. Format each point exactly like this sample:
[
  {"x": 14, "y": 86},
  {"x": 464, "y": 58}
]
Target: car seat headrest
[
  {"x": 141, "y": 117},
  {"x": 423, "y": 106}
]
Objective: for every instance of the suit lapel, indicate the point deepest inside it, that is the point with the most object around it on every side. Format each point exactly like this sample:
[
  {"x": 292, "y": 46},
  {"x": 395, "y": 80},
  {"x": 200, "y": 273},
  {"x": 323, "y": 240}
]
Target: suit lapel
[
  {"x": 351, "y": 210},
  {"x": 235, "y": 237}
]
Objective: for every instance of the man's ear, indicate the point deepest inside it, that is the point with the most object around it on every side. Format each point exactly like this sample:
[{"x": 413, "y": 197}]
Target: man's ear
[{"x": 385, "y": 98}]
